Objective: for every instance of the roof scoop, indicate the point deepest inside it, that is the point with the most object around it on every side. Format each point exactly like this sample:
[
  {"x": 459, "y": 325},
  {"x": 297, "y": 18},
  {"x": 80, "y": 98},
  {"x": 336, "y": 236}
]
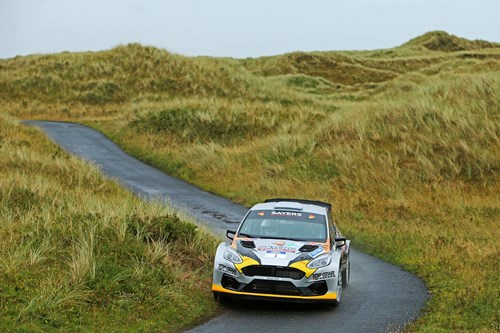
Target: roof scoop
[{"x": 288, "y": 205}]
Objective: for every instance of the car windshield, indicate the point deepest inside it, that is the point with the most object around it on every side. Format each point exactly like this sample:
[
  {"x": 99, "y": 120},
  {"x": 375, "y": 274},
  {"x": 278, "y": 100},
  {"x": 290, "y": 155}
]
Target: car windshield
[{"x": 300, "y": 226}]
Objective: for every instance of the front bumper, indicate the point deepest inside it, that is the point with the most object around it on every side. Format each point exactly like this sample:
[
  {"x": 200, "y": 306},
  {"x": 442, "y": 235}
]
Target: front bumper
[
  {"x": 316, "y": 287},
  {"x": 328, "y": 297}
]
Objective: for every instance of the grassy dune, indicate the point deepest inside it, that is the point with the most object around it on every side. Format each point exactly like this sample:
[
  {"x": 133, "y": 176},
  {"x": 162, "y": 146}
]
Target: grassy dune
[
  {"x": 404, "y": 142},
  {"x": 79, "y": 253}
]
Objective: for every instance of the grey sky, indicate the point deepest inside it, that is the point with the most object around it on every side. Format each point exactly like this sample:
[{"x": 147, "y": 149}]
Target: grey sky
[{"x": 236, "y": 28}]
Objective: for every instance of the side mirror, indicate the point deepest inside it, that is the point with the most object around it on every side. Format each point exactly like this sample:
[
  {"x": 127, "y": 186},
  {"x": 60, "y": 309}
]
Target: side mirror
[
  {"x": 340, "y": 241},
  {"x": 230, "y": 234}
]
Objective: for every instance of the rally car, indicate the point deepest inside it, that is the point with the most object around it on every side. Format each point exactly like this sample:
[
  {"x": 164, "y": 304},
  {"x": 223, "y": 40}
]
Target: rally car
[{"x": 286, "y": 250}]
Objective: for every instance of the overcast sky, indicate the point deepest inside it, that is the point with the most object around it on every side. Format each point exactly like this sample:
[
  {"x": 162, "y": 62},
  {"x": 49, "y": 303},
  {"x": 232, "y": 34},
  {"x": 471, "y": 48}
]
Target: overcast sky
[{"x": 236, "y": 28}]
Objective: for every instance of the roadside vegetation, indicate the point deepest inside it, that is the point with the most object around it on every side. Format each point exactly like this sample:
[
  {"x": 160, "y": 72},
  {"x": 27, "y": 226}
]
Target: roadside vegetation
[
  {"x": 80, "y": 253},
  {"x": 404, "y": 142}
]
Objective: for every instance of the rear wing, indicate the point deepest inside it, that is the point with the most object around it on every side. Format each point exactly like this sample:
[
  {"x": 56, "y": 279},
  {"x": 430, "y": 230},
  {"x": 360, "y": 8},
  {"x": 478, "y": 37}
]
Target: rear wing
[{"x": 303, "y": 201}]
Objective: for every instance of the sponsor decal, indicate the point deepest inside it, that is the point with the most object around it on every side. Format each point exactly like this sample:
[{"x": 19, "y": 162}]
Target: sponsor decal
[
  {"x": 279, "y": 243},
  {"x": 276, "y": 248},
  {"x": 247, "y": 261},
  {"x": 316, "y": 252},
  {"x": 227, "y": 269},
  {"x": 271, "y": 278},
  {"x": 286, "y": 214},
  {"x": 274, "y": 254},
  {"x": 322, "y": 276},
  {"x": 302, "y": 265}
]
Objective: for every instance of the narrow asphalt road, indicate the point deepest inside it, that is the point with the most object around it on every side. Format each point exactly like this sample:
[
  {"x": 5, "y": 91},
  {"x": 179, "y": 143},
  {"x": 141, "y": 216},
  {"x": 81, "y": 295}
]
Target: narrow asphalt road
[{"x": 380, "y": 297}]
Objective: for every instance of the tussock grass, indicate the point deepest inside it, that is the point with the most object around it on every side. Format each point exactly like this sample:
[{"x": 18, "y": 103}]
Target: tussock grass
[
  {"x": 72, "y": 258},
  {"x": 404, "y": 142}
]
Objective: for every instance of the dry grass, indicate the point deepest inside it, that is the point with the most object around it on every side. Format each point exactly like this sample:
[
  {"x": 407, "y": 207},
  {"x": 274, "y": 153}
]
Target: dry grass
[
  {"x": 404, "y": 142},
  {"x": 71, "y": 259}
]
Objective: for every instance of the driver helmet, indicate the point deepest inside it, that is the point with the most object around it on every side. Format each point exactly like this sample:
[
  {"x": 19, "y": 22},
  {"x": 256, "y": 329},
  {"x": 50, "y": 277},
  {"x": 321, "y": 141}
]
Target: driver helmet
[{"x": 269, "y": 228}]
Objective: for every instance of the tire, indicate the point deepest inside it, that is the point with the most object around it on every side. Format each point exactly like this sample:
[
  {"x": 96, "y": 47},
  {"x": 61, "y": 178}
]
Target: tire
[
  {"x": 340, "y": 285},
  {"x": 219, "y": 298},
  {"x": 346, "y": 274}
]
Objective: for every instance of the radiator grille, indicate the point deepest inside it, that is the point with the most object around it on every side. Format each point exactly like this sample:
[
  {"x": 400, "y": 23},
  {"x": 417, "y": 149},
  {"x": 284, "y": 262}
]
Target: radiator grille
[
  {"x": 272, "y": 287},
  {"x": 273, "y": 271}
]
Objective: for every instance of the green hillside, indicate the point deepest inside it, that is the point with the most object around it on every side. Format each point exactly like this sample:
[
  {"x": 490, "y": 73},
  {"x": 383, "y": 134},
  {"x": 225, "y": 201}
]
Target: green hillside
[{"x": 403, "y": 141}]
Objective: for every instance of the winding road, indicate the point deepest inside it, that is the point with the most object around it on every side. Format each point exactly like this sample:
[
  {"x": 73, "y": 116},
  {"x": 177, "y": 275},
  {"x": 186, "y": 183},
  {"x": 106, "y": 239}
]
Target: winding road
[{"x": 380, "y": 297}]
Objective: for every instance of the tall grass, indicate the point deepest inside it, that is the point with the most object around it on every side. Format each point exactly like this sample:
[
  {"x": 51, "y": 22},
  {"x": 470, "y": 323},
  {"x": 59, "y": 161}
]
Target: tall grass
[
  {"x": 413, "y": 178},
  {"x": 71, "y": 257},
  {"x": 403, "y": 141}
]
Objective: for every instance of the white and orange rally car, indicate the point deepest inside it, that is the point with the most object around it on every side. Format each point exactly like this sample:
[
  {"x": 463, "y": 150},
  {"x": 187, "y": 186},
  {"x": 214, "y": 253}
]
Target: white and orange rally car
[{"x": 284, "y": 249}]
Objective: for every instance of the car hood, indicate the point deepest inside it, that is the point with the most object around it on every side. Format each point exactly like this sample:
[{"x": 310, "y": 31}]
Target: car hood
[{"x": 279, "y": 252}]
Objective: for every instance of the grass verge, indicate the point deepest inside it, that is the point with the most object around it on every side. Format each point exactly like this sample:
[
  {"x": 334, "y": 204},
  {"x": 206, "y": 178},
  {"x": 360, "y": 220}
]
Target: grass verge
[{"x": 80, "y": 253}]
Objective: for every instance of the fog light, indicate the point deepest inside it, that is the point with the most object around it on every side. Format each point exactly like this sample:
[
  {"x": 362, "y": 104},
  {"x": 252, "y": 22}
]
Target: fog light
[
  {"x": 230, "y": 282},
  {"x": 319, "y": 288}
]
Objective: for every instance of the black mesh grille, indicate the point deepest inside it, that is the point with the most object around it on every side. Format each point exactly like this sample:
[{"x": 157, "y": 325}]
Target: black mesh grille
[
  {"x": 273, "y": 271},
  {"x": 272, "y": 287}
]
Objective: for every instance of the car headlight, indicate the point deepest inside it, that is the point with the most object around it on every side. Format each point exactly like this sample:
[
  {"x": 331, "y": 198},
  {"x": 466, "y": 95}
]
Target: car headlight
[
  {"x": 320, "y": 261},
  {"x": 232, "y": 256}
]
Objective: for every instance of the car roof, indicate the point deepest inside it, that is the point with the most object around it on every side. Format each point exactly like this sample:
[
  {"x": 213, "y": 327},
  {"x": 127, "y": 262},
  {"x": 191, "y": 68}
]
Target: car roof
[{"x": 290, "y": 205}]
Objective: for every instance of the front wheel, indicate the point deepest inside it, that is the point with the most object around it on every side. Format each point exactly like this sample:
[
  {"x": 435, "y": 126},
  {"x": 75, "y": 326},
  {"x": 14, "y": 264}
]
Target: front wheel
[
  {"x": 219, "y": 298},
  {"x": 339, "y": 289},
  {"x": 346, "y": 274}
]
